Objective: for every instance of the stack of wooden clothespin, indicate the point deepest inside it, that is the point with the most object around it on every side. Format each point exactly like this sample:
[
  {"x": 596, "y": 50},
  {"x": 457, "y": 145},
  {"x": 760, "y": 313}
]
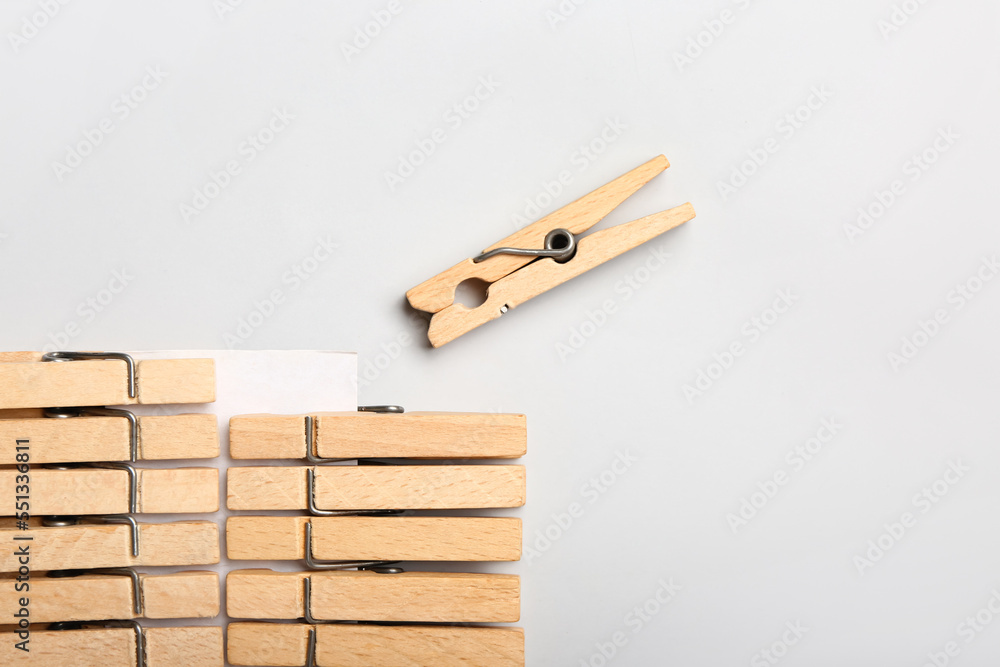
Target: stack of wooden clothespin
[
  {"x": 73, "y": 501},
  {"x": 357, "y": 605}
]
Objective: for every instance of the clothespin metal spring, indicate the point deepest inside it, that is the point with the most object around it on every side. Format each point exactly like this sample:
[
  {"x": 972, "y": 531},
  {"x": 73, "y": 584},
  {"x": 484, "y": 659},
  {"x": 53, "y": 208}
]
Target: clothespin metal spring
[
  {"x": 311, "y": 455},
  {"x": 83, "y": 356},
  {"x": 560, "y": 245},
  {"x": 62, "y": 521},
  {"x": 140, "y": 639},
  {"x": 123, "y": 571}
]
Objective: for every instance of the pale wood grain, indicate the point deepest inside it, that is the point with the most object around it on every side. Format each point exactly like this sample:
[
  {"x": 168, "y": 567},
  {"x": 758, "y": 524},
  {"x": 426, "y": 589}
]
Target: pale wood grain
[
  {"x": 188, "y": 647},
  {"x": 352, "y": 645},
  {"x": 81, "y": 439},
  {"x": 40, "y": 384},
  {"x": 375, "y": 538},
  {"x": 178, "y": 490},
  {"x": 192, "y": 594},
  {"x": 186, "y": 436},
  {"x": 162, "y": 381},
  {"x": 544, "y": 274},
  {"x": 96, "y": 597},
  {"x": 106, "y": 491},
  {"x": 115, "y": 647},
  {"x": 88, "y": 439},
  {"x": 377, "y": 487},
  {"x": 419, "y": 597},
  {"x": 267, "y": 437},
  {"x": 88, "y": 546},
  {"x": 421, "y": 435},
  {"x": 370, "y": 435},
  {"x": 439, "y": 292},
  {"x": 267, "y": 644},
  {"x": 97, "y": 647}
]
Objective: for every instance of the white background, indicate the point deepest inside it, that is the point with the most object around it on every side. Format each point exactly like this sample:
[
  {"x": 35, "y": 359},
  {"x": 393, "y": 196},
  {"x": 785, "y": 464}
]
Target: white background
[{"x": 559, "y": 82}]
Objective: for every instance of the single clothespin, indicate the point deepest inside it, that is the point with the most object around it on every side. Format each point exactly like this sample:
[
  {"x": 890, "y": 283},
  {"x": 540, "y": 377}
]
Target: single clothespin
[
  {"x": 364, "y": 595},
  {"x": 118, "y": 643},
  {"x": 115, "y": 594},
  {"x": 114, "y": 488},
  {"x": 359, "y": 645},
  {"x": 75, "y": 379},
  {"x": 372, "y": 540},
  {"x": 375, "y": 487},
  {"x": 79, "y": 435},
  {"x": 68, "y": 543},
  {"x": 543, "y": 255},
  {"x": 377, "y": 432}
]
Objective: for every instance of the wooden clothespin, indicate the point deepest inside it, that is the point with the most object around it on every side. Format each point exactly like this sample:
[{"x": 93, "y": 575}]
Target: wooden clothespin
[
  {"x": 115, "y": 488},
  {"x": 372, "y": 540},
  {"x": 81, "y": 435},
  {"x": 371, "y": 487},
  {"x": 74, "y": 379},
  {"x": 363, "y": 595},
  {"x": 124, "y": 644},
  {"x": 368, "y": 434},
  {"x": 543, "y": 255},
  {"x": 99, "y": 595},
  {"x": 357, "y": 645},
  {"x": 67, "y": 543}
]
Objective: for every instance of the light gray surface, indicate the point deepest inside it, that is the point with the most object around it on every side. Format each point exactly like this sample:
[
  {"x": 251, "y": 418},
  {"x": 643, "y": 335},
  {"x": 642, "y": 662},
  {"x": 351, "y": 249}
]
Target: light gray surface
[{"x": 190, "y": 283}]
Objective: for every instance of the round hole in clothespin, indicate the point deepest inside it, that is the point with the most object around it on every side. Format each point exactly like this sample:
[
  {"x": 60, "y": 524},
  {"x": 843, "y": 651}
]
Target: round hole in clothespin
[{"x": 471, "y": 292}]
